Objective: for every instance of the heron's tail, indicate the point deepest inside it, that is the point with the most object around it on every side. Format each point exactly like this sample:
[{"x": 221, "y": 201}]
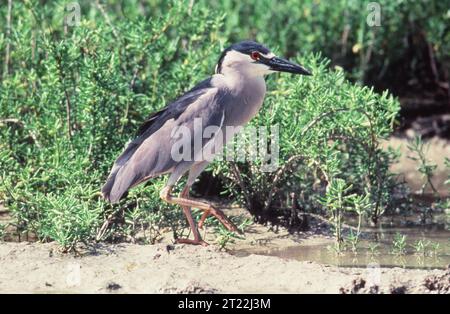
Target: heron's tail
[
  {"x": 107, "y": 187},
  {"x": 129, "y": 171},
  {"x": 114, "y": 188}
]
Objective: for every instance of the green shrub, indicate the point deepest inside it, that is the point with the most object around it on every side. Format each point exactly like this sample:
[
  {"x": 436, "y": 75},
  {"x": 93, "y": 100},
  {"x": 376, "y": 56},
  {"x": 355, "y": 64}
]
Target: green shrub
[
  {"x": 71, "y": 97},
  {"x": 67, "y": 218},
  {"x": 340, "y": 31},
  {"x": 71, "y": 100}
]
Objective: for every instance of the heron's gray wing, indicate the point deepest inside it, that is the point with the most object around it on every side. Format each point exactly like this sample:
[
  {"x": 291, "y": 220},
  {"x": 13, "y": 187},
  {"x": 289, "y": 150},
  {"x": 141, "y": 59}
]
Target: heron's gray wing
[
  {"x": 157, "y": 119},
  {"x": 149, "y": 154},
  {"x": 172, "y": 111}
]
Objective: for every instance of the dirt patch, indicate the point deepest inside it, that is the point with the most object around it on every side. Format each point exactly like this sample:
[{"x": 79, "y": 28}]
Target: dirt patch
[
  {"x": 128, "y": 268},
  {"x": 438, "y": 283}
]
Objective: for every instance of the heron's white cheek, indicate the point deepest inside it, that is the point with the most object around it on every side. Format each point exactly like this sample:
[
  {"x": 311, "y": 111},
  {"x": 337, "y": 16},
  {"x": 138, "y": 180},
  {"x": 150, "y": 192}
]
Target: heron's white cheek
[{"x": 261, "y": 69}]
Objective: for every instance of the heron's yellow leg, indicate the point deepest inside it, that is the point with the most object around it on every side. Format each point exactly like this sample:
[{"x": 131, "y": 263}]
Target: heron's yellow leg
[{"x": 184, "y": 201}]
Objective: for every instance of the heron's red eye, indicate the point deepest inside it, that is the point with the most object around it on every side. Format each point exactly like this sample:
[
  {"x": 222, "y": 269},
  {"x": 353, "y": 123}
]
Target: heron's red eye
[{"x": 255, "y": 55}]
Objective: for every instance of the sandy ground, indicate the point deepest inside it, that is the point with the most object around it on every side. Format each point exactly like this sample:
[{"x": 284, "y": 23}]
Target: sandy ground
[
  {"x": 176, "y": 268},
  {"x": 165, "y": 268}
]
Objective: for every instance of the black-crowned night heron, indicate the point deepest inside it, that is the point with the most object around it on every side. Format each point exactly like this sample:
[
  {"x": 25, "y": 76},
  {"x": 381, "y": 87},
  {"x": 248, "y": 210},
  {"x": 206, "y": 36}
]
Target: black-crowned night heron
[{"x": 226, "y": 100}]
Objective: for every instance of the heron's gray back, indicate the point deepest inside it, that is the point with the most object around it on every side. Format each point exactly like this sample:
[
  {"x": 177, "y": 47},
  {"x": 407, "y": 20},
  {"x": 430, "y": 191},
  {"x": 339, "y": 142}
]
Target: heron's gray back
[{"x": 218, "y": 101}]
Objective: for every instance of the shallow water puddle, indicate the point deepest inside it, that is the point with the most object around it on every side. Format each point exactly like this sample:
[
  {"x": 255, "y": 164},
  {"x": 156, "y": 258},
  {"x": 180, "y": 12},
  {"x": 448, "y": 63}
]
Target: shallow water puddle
[
  {"x": 437, "y": 232},
  {"x": 363, "y": 258}
]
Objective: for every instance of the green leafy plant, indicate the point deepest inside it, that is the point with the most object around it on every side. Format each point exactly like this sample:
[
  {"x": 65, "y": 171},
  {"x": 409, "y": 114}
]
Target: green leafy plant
[
  {"x": 373, "y": 249},
  {"x": 425, "y": 167},
  {"x": 361, "y": 205},
  {"x": 67, "y": 220},
  {"x": 335, "y": 201},
  {"x": 353, "y": 239},
  {"x": 399, "y": 244},
  {"x": 435, "y": 248},
  {"x": 421, "y": 247}
]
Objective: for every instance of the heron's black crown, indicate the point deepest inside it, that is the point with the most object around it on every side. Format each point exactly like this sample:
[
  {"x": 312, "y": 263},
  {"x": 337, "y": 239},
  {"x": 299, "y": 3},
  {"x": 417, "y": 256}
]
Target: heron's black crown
[{"x": 245, "y": 47}]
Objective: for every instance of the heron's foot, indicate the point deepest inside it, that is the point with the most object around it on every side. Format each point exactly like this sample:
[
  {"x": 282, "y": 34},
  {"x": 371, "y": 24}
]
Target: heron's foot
[
  {"x": 227, "y": 223},
  {"x": 187, "y": 203},
  {"x": 193, "y": 242}
]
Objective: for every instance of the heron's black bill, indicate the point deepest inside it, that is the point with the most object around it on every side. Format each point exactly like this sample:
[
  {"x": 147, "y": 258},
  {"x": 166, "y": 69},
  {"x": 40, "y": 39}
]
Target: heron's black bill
[{"x": 283, "y": 65}]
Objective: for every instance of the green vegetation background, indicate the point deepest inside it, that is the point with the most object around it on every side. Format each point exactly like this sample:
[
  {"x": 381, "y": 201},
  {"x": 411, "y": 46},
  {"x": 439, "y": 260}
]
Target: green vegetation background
[{"x": 72, "y": 96}]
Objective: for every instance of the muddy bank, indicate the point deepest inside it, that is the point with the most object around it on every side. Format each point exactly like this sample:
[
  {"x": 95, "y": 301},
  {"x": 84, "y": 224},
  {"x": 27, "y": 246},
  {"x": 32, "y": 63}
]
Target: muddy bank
[{"x": 128, "y": 268}]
